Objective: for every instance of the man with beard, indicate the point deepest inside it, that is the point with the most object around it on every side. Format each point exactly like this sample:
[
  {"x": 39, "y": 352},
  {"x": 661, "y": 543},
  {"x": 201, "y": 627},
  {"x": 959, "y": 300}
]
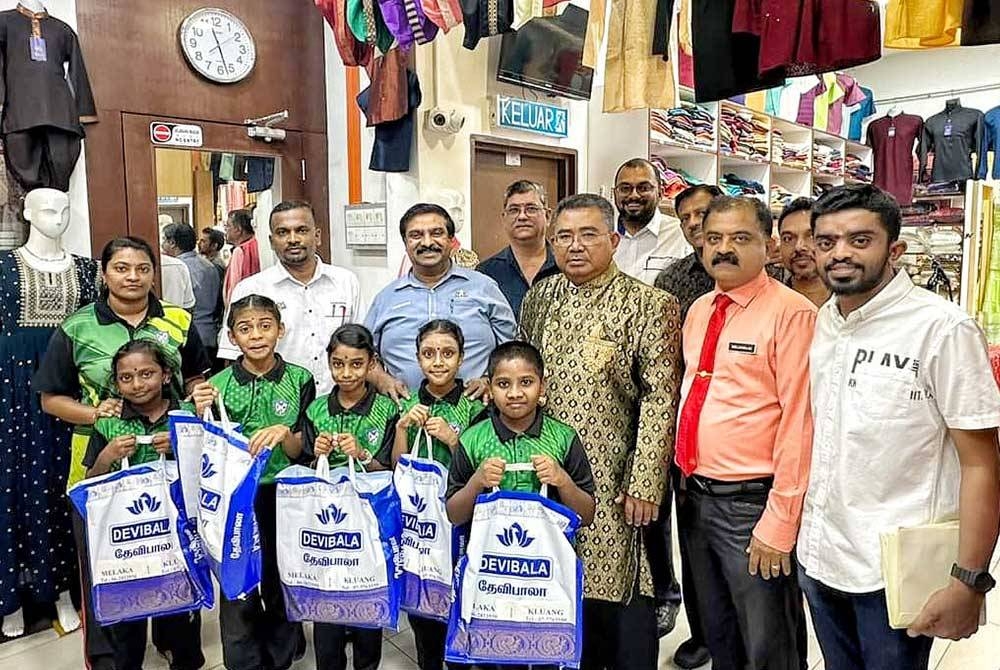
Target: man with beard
[
  {"x": 906, "y": 434},
  {"x": 743, "y": 443},
  {"x": 315, "y": 298},
  {"x": 435, "y": 288},
  {"x": 612, "y": 355},
  {"x": 649, "y": 240},
  {"x": 798, "y": 253}
]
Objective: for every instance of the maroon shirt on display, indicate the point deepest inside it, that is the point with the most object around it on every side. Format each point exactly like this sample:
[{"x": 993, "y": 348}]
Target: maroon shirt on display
[{"x": 891, "y": 139}]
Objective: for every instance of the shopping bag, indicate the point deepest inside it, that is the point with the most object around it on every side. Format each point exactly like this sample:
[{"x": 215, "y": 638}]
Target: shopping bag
[
  {"x": 227, "y": 524},
  {"x": 140, "y": 558},
  {"x": 519, "y": 588},
  {"x": 338, "y": 545},
  {"x": 427, "y": 546}
]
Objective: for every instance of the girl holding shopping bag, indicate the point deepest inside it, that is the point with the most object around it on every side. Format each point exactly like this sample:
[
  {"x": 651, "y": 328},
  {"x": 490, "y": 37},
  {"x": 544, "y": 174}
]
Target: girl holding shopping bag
[{"x": 267, "y": 396}]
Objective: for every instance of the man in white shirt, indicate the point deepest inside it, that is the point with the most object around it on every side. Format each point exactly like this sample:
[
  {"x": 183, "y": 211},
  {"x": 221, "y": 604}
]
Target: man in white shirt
[
  {"x": 175, "y": 282},
  {"x": 314, "y": 298},
  {"x": 906, "y": 413},
  {"x": 650, "y": 240}
]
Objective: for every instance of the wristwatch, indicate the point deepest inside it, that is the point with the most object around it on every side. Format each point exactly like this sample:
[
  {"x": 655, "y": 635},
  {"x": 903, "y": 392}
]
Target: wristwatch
[
  {"x": 979, "y": 581},
  {"x": 367, "y": 460}
]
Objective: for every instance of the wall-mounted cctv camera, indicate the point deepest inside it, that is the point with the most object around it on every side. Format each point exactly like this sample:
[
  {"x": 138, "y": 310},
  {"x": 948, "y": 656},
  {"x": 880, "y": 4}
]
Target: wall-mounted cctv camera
[{"x": 444, "y": 121}]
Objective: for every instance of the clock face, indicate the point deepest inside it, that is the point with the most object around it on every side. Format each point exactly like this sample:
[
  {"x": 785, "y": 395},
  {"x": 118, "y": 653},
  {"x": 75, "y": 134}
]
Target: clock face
[{"x": 218, "y": 45}]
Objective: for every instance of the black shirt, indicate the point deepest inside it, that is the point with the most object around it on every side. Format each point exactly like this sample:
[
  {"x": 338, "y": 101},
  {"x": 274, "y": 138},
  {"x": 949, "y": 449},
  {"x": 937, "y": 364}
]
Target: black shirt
[
  {"x": 41, "y": 92},
  {"x": 503, "y": 268},
  {"x": 952, "y": 136},
  {"x": 687, "y": 280}
]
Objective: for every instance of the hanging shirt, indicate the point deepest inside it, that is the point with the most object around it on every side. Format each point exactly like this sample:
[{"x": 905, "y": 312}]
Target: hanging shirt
[
  {"x": 981, "y": 22},
  {"x": 849, "y": 94},
  {"x": 634, "y": 77},
  {"x": 407, "y": 22},
  {"x": 394, "y": 139},
  {"x": 892, "y": 140},
  {"x": 952, "y": 136},
  {"x": 351, "y": 50},
  {"x": 865, "y": 109},
  {"x": 920, "y": 24},
  {"x": 44, "y": 77},
  {"x": 991, "y": 142},
  {"x": 485, "y": 18},
  {"x": 365, "y": 20},
  {"x": 446, "y": 14}
]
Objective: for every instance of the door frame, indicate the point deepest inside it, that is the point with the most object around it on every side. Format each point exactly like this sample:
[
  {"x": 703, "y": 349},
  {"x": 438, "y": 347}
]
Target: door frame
[
  {"x": 566, "y": 157},
  {"x": 299, "y": 180}
]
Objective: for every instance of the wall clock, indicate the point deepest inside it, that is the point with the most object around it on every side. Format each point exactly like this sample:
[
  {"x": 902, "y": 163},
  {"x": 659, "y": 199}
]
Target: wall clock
[{"x": 218, "y": 45}]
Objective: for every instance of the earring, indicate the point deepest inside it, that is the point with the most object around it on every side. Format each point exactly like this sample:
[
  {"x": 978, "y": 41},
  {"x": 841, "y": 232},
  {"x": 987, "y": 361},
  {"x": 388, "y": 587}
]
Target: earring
[{"x": 542, "y": 400}]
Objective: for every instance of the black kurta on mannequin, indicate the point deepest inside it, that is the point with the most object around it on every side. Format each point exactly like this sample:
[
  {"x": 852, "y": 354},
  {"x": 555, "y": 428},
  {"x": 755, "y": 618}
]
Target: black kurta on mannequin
[{"x": 44, "y": 105}]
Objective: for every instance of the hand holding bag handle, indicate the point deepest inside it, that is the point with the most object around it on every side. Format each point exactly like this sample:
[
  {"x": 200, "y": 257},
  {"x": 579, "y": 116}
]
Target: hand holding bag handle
[
  {"x": 415, "y": 450},
  {"x": 525, "y": 467}
]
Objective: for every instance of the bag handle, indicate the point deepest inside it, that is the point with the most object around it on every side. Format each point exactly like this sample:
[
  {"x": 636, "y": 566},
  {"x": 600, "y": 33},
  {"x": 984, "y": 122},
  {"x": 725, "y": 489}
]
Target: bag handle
[
  {"x": 415, "y": 451},
  {"x": 323, "y": 468},
  {"x": 525, "y": 467},
  {"x": 350, "y": 473}
]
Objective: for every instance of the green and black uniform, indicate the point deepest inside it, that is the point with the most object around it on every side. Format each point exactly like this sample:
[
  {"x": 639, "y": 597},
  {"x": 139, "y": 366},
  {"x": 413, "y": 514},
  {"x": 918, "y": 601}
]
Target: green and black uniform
[
  {"x": 456, "y": 409},
  {"x": 77, "y": 362},
  {"x": 372, "y": 422},
  {"x": 546, "y": 436},
  {"x": 180, "y": 633},
  {"x": 278, "y": 397},
  {"x": 255, "y": 632},
  {"x": 131, "y": 422}
]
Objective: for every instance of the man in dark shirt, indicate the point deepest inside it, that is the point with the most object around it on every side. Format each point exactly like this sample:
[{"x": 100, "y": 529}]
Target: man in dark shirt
[{"x": 528, "y": 258}]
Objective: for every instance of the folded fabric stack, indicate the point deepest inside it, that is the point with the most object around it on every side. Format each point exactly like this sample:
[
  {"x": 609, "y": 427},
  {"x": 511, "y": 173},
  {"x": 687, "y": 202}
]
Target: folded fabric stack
[
  {"x": 948, "y": 215},
  {"x": 777, "y": 143},
  {"x": 918, "y": 213},
  {"x": 673, "y": 180},
  {"x": 855, "y": 169},
  {"x": 735, "y": 185},
  {"x": 780, "y": 197},
  {"x": 683, "y": 125},
  {"x": 742, "y": 135},
  {"x": 795, "y": 155},
  {"x": 941, "y": 188},
  {"x": 827, "y": 159}
]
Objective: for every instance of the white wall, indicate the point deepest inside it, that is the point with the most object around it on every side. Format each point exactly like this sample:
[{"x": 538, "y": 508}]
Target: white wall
[{"x": 77, "y": 237}]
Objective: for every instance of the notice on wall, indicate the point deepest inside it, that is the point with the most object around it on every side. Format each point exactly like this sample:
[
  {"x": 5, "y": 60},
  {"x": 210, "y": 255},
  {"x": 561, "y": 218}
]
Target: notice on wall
[
  {"x": 176, "y": 134},
  {"x": 365, "y": 226}
]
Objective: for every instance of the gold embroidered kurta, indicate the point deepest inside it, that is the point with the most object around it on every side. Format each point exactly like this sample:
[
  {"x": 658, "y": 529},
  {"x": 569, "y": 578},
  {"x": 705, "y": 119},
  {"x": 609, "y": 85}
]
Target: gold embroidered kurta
[
  {"x": 612, "y": 365},
  {"x": 635, "y": 78}
]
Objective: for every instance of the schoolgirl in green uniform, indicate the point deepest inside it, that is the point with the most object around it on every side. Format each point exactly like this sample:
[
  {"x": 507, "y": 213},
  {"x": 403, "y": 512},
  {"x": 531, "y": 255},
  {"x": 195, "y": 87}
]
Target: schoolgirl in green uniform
[
  {"x": 267, "y": 396},
  {"x": 352, "y": 421},
  {"x": 142, "y": 378}
]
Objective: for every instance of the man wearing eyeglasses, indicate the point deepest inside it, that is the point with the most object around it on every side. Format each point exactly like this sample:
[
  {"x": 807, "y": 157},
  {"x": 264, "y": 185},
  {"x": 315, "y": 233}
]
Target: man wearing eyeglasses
[
  {"x": 528, "y": 258},
  {"x": 612, "y": 366},
  {"x": 650, "y": 240}
]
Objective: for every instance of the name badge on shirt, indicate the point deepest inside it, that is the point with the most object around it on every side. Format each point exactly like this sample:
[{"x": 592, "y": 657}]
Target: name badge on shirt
[
  {"x": 743, "y": 348},
  {"x": 37, "y": 48},
  {"x": 892, "y": 131},
  {"x": 947, "y": 129}
]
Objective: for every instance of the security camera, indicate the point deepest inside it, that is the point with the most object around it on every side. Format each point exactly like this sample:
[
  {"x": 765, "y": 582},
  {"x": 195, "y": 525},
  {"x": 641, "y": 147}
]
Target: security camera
[{"x": 444, "y": 121}]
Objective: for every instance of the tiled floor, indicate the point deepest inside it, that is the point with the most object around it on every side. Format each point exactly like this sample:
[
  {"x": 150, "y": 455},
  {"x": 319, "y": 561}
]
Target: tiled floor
[{"x": 47, "y": 651}]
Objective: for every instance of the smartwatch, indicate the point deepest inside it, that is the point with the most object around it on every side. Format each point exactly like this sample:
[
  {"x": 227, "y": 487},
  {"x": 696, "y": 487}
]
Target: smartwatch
[{"x": 979, "y": 581}]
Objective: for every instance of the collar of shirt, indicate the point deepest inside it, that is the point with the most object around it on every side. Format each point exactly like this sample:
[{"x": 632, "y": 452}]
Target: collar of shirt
[
  {"x": 409, "y": 280},
  {"x": 506, "y": 434},
  {"x": 507, "y": 254},
  {"x": 129, "y": 412},
  {"x": 106, "y": 316},
  {"x": 651, "y": 228},
  {"x": 187, "y": 254},
  {"x": 744, "y": 295},
  {"x": 453, "y": 397},
  {"x": 362, "y": 408},
  {"x": 244, "y": 376},
  {"x": 322, "y": 271},
  {"x": 897, "y": 289},
  {"x": 598, "y": 282}
]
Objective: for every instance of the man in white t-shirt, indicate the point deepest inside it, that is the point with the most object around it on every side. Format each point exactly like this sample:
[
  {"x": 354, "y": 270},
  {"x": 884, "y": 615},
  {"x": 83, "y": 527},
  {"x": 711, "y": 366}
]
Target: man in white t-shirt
[
  {"x": 175, "y": 282},
  {"x": 906, "y": 413}
]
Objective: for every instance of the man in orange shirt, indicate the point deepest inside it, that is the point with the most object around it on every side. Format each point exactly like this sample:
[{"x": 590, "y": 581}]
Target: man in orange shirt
[
  {"x": 744, "y": 440},
  {"x": 245, "y": 260}
]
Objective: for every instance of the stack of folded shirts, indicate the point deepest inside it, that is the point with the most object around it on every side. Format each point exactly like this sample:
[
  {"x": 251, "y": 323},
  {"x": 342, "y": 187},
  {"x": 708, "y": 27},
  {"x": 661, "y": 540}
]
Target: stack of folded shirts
[
  {"x": 780, "y": 196},
  {"x": 855, "y": 169},
  {"x": 945, "y": 241},
  {"x": 735, "y": 185},
  {"x": 941, "y": 188},
  {"x": 827, "y": 159},
  {"x": 777, "y": 143},
  {"x": 683, "y": 125},
  {"x": 742, "y": 135},
  {"x": 947, "y": 215},
  {"x": 795, "y": 155},
  {"x": 673, "y": 180}
]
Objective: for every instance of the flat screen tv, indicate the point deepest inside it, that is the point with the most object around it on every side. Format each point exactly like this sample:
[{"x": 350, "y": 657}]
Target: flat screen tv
[{"x": 545, "y": 55}]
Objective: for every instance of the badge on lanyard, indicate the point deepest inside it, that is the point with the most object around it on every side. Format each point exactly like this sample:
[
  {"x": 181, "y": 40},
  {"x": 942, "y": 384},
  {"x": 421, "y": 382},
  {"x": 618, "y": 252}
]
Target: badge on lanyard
[
  {"x": 892, "y": 131},
  {"x": 37, "y": 48},
  {"x": 947, "y": 128}
]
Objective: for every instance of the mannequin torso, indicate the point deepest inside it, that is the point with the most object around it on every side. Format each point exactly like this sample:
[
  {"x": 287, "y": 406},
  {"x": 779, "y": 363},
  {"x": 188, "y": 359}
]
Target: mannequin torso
[{"x": 32, "y": 6}]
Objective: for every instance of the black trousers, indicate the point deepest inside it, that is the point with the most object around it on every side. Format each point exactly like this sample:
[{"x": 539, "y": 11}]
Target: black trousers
[
  {"x": 429, "y": 637},
  {"x": 256, "y": 635},
  {"x": 749, "y": 623},
  {"x": 330, "y": 642},
  {"x": 98, "y": 647},
  {"x": 42, "y": 157},
  {"x": 620, "y": 636},
  {"x": 180, "y": 633}
]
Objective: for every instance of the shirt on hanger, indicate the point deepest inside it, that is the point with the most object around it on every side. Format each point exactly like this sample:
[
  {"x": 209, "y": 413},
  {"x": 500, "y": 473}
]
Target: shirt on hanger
[
  {"x": 952, "y": 136},
  {"x": 921, "y": 24},
  {"x": 891, "y": 139},
  {"x": 857, "y": 118},
  {"x": 407, "y": 22},
  {"x": 991, "y": 142},
  {"x": 850, "y": 94},
  {"x": 981, "y": 22}
]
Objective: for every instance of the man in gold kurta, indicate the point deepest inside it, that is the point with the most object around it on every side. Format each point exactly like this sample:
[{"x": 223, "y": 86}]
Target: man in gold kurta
[{"x": 612, "y": 365}]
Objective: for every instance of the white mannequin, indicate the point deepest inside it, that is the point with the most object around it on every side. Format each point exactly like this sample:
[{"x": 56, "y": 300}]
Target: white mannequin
[
  {"x": 32, "y": 6},
  {"x": 47, "y": 211},
  {"x": 894, "y": 111}
]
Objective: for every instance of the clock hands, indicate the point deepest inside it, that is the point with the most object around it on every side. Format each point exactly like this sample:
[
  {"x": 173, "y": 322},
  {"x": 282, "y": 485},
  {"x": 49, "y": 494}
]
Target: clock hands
[{"x": 219, "y": 47}]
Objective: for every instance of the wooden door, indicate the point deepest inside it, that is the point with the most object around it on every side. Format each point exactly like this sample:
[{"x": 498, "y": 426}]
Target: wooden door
[
  {"x": 492, "y": 171},
  {"x": 302, "y": 169}
]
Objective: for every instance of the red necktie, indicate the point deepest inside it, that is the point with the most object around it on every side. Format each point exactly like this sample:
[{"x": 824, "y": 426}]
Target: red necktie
[{"x": 687, "y": 428}]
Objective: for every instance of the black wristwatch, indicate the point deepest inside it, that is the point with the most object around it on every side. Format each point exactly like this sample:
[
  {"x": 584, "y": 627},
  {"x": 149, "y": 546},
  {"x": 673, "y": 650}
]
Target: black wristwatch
[{"x": 979, "y": 581}]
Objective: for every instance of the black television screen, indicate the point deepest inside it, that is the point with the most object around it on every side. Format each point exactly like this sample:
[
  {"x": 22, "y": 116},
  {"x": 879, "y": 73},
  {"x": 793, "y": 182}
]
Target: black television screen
[{"x": 545, "y": 55}]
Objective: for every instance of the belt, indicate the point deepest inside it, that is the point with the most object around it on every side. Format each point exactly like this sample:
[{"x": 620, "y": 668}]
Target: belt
[{"x": 716, "y": 487}]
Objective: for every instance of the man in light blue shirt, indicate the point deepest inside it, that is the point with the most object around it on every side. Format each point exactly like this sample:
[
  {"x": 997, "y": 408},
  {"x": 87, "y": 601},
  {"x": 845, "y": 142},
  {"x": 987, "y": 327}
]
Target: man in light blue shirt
[{"x": 435, "y": 288}]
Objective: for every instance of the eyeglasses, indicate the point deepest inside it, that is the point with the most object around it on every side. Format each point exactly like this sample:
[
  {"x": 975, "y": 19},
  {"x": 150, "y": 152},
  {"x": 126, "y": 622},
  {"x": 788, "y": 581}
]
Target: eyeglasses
[
  {"x": 645, "y": 188},
  {"x": 587, "y": 238},
  {"x": 514, "y": 211}
]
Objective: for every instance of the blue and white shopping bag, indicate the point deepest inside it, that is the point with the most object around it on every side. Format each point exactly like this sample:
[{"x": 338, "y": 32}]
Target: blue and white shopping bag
[
  {"x": 226, "y": 521},
  {"x": 519, "y": 589},
  {"x": 338, "y": 545},
  {"x": 427, "y": 544},
  {"x": 141, "y": 562}
]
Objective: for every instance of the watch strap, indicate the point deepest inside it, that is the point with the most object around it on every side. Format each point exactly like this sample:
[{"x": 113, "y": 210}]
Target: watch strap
[{"x": 978, "y": 580}]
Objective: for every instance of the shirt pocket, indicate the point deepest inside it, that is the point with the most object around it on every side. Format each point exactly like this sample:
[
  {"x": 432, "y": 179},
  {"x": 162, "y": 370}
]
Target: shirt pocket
[
  {"x": 883, "y": 396},
  {"x": 598, "y": 355}
]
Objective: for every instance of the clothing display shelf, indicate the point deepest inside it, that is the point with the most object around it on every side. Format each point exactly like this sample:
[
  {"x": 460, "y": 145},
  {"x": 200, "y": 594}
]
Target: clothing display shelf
[{"x": 777, "y": 154}]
